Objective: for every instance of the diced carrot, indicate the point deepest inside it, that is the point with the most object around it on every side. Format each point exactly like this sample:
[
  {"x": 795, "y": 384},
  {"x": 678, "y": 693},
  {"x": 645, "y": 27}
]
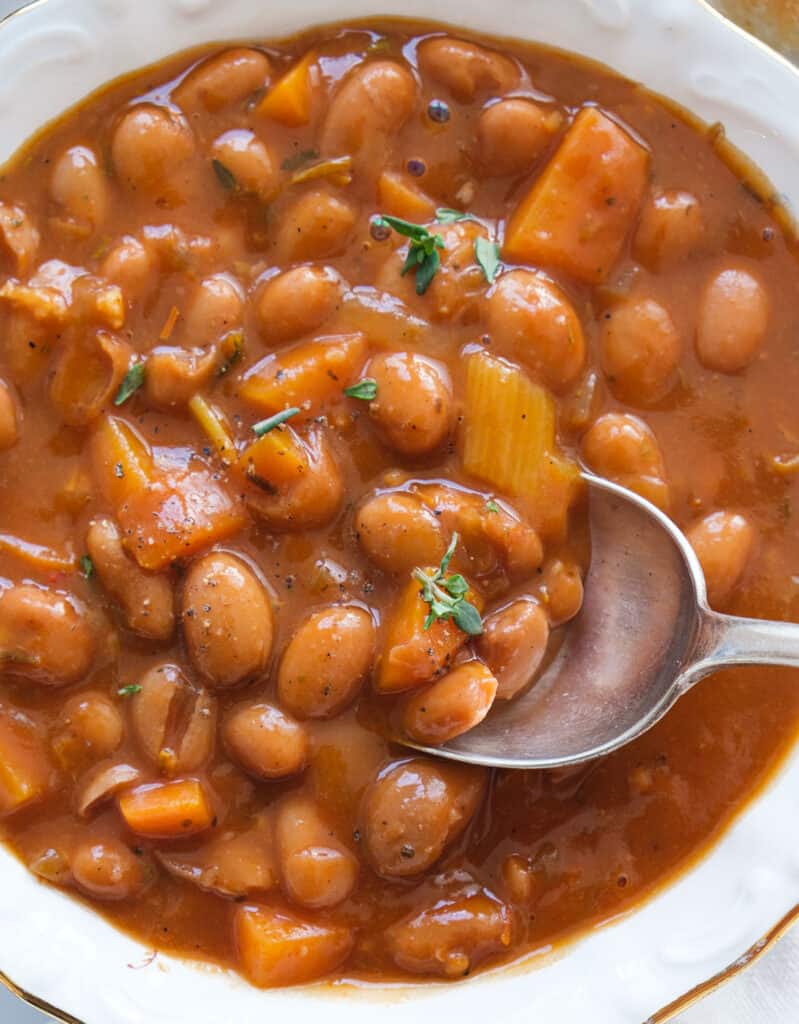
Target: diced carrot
[
  {"x": 289, "y": 99},
  {"x": 401, "y": 198},
  {"x": 275, "y": 460},
  {"x": 307, "y": 375},
  {"x": 413, "y": 655},
  {"x": 277, "y": 948},
  {"x": 580, "y": 210},
  {"x": 25, "y": 768},
  {"x": 166, "y": 810},
  {"x": 122, "y": 460},
  {"x": 176, "y": 516}
]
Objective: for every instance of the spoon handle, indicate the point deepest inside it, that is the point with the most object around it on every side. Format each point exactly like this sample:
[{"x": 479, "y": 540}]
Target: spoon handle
[{"x": 730, "y": 640}]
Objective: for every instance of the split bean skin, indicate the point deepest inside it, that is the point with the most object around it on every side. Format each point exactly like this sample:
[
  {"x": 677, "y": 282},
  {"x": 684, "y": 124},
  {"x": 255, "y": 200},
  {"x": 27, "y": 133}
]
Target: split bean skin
[{"x": 302, "y": 347}]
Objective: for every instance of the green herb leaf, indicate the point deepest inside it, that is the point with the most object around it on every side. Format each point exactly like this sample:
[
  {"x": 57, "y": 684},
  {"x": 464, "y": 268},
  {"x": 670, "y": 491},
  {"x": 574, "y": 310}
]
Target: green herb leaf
[
  {"x": 130, "y": 690},
  {"x": 226, "y": 177},
  {"x": 236, "y": 344},
  {"x": 365, "y": 390},
  {"x": 486, "y": 253},
  {"x": 446, "y": 215},
  {"x": 87, "y": 567},
  {"x": 446, "y": 596},
  {"x": 264, "y": 426},
  {"x": 423, "y": 256},
  {"x": 491, "y": 506},
  {"x": 305, "y": 156},
  {"x": 131, "y": 383}
]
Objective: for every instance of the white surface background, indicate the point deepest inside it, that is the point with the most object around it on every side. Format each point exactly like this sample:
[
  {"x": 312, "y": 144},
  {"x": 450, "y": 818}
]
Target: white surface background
[{"x": 767, "y": 993}]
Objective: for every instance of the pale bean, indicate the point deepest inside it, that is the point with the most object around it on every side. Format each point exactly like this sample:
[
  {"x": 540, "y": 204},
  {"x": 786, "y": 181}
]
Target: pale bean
[
  {"x": 624, "y": 449},
  {"x": 86, "y": 375},
  {"x": 413, "y": 407},
  {"x": 79, "y": 185},
  {"x": 149, "y": 146},
  {"x": 10, "y": 417},
  {"x": 47, "y": 635},
  {"x": 723, "y": 543},
  {"x": 317, "y": 869},
  {"x": 222, "y": 80},
  {"x": 513, "y": 644},
  {"x": 88, "y": 729},
  {"x": 174, "y": 375},
  {"x": 174, "y": 721},
  {"x": 106, "y": 869},
  {"x": 326, "y": 661},
  {"x": 398, "y": 533},
  {"x": 372, "y": 103},
  {"x": 640, "y": 351},
  {"x": 413, "y": 810},
  {"x": 133, "y": 267},
  {"x": 297, "y": 302},
  {"x": 315, "y": 226},
  {"x": 216, "y": 307},
  {"x": 266, "y": 742},
  {"x": 530, "y": 319},
  {"x": 467, "y": 69},
  {"x": 451, "y": 706},
  {"x": 513, "y": 134},
  {"x": 19, "y": 238},
  {"x": 227, "y": 620},
  {"x": 247, "y": 158},
  {"x": 561, "y": 591},
  {"x": 733, "y": 322},
  {"x": 671, "y": 228}
]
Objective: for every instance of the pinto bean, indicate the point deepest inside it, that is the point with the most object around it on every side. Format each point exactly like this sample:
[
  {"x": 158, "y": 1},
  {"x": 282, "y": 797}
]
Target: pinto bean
[
  {"x": 9, "y": 417},
  {"x": 106, "y": 869},
  {"x": 145, "y": 599},
  {"x": 624, "y": 449},
  {"x": 513, "y": 134},
  {"x": 723, "y": 543},
  {"x": 413, "y": 810},
  {"x": 315, "y": 226},
  {"x": 561, "y": 591},
  {"x": 246, "y": 157},
  {"x": 670, "y": 229},
  {"x": 267, "y": 743},
  {"x": 733, "y": 320},
  {"x": 222, "y": 80},
  {"x": 79, "y": 185},
  {"x": 47, "y": 635},
  {"x": 452, "y": 936},
  {"x": 174, "y": 374},
  {"x": 227, "y": 620},
  {"x": 326, "y": 661},
  {"x": 86, "y": 375},
  {"x": 467, "y": 69},
  {"x": 88, "y": 729},
  {"x": 451, "y": 706},
  {"x": 398, "y": 532},
  {"x": 131, "y": 266},
  {"x": 640, "y": 350},
  {"x": 413, "y": 407},
  {"x": 513, "y": 644},
  {"x": 19, "y": 238},
  {"x": 296, "y": 302},
  {"x": 174, "y": 721},
  {"x": 149, "y": 146},
  {"x": 530, "y": 319},
  {"x": 316, "y": 867},
  {"x": 216, "y": 307}
]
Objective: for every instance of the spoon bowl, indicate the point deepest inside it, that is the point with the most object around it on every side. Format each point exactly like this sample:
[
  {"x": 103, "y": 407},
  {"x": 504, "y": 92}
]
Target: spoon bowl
[{"x": 644, "y": 636}]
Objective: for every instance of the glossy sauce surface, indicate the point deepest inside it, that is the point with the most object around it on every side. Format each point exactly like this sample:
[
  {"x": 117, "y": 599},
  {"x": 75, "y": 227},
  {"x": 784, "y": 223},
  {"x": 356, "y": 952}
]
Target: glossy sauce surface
[{"x": 202, "y": 639}]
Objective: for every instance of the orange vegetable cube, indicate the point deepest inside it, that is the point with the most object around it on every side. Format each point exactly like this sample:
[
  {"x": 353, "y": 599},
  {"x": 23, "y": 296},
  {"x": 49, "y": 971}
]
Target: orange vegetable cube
[
  {"x": 307, "y": 375},
  {"x": 289, "y": 99},
  {"x": 167, "y": 810},
  {"x": 580, "y": 210},
  {"x": 277, "y": 948},
  {"x": 275, "y": 460},
  {"x": 401, "y": 198},
  {"x": 122, "y": 460},
  {"x": 413, "y": 655},
  {"x": 25, "y": 767}
]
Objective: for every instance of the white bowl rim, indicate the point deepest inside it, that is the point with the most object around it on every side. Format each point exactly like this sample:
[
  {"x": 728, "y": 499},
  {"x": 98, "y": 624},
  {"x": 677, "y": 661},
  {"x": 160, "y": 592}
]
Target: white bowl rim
[{"x": 720, "y": 913}]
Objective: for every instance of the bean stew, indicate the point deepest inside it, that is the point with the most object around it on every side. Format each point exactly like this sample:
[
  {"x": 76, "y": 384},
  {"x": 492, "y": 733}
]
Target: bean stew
[{"x": 301, "y": 346}]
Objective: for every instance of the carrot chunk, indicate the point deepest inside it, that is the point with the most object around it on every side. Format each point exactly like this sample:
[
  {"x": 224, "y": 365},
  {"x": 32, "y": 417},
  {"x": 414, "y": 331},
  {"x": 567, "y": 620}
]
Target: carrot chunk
[
  {"x": 122, "y": 460},
  {"x": 289, "y": 99},
  {"x": 24, "y": 765},
  {"x": 166, "y": 810},
  {"x": 401, "y": 198},
  {"x": 580, "y": 210},
  {"x": 278, "y": 948}
]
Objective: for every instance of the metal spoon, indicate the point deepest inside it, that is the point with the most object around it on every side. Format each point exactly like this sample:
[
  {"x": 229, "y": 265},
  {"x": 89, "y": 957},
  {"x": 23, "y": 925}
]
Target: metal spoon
[{"x": 644, "y": 637}]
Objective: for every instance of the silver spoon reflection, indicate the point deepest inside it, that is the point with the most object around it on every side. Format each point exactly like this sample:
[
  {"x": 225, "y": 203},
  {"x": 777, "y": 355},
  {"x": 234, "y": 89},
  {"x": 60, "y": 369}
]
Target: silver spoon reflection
[{"x": 644, "y": 636}]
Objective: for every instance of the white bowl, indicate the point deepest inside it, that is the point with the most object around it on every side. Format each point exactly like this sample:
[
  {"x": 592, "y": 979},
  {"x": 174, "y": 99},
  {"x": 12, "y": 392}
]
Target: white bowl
[{"x": 55, "y": 52}]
